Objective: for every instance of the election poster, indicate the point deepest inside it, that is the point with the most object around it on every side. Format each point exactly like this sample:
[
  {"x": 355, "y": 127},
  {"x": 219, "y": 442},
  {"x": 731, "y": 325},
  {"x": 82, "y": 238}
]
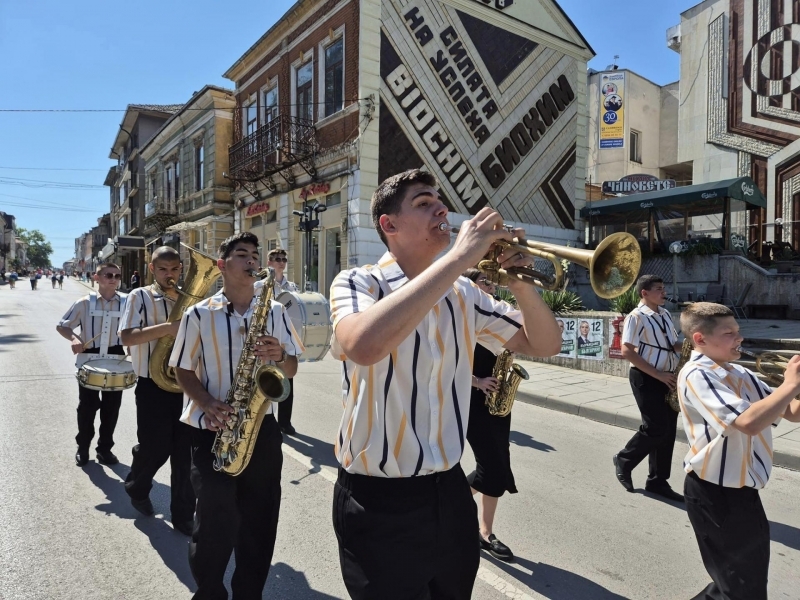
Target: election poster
[
  {"x": 612, "y": 110},
  {"x": 569, "y": 328},
  {"x": 615, "y": 337},
  {"x": 590, "y": 339}
]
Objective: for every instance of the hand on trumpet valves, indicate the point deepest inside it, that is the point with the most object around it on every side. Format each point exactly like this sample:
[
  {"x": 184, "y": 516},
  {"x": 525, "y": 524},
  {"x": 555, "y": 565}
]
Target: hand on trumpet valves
[{"x": 477, "y": 235}]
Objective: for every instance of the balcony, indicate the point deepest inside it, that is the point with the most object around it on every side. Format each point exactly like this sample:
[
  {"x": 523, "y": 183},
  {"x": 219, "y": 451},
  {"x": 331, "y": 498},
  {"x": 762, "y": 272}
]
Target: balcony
[
  {"x": 159, "y": 214},
  {"x": 281, "y": 143}
]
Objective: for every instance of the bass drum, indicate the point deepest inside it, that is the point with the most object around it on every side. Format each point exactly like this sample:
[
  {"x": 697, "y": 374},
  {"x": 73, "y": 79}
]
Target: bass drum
[{"x": 311, "y": 317}]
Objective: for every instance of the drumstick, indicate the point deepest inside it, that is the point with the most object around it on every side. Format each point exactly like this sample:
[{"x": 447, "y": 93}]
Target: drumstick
[{"x": 91, "y": 340}]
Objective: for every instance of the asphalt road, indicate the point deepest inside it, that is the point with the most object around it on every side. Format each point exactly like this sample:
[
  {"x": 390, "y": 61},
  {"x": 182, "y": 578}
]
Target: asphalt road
[{"x": 67, "y": 533}]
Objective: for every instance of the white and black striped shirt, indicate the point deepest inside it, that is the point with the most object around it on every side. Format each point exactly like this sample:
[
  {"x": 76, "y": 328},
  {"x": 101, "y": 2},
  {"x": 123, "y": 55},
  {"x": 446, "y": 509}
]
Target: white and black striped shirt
[
  {"x": 78, "y": 316},
  {"x": 653, "y": 335},
  {"x": 144, "y": 308}
]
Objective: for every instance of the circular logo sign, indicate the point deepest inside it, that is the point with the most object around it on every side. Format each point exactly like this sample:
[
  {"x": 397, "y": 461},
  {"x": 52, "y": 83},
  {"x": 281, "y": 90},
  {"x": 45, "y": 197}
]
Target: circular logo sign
[
  {"x": 610, "y": 118},
  {"x": 766, "y": 64}
]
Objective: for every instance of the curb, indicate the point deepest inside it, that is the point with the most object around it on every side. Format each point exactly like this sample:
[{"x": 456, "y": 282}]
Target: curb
[{"x": 786, "y": 460}]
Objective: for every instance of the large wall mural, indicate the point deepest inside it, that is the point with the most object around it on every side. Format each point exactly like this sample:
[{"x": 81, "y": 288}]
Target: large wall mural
[{"x": 490, "y": 112}]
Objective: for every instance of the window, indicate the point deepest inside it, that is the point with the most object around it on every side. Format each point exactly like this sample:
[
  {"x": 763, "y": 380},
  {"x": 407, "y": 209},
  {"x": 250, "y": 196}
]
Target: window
[
  {"x": 251, "y": 118},
  {"x": 199, "y": 179},
  {"x": 303, "y": 100},
  {"x": 256, "y": 222},
  {"x": 635, "y": 146},
  {"x": 334, "y": 77},
  {"x": 122, "y": 230},
  {"x": 152, "y": 187},
  {"x": 177, "y": 179},
  {"x": 270, "y": 105},
  {"x": 124, "y": 197},
  {"x": 168, "y": 183},
  {"x": 272, "y": 216},
  {"x": 272, "y": 244},
  {"x": 333, "y": 199}
]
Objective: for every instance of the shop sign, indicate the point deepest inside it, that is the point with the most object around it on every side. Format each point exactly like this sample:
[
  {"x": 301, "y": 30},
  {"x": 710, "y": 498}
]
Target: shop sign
[
  {"x": 257, "y": 208},
  {"x": 315, "y": 189},
  {"x": 637, "y": 184}
]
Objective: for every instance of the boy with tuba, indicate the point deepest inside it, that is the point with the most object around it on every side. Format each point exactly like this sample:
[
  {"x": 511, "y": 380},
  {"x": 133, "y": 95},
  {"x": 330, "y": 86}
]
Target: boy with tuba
[
  {"x": 160, "y": 434},
  {"x": 234, "y": 513},
  {"x": 728, "y": 414}
]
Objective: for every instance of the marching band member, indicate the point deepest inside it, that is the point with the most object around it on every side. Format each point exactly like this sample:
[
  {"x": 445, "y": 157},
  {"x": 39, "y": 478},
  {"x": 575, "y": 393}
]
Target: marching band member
[
  {"x": 160, "y": 434},
  {"x": 727, "y": 415},
  {"x": 233, "y": 513},
  {"x": 97, "y": 315},
  {"x": 405, "y": 330},
  {"x": 650, "y": 344},
  {"x": 278, "y": 260},
  {"x": 488, "y": 436}
]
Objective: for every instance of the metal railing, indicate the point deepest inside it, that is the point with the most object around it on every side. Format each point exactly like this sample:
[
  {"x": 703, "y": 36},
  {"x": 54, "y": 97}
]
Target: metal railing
[
  {"x": 280, "y": 143},
  {"x": 158, "y": 206}
]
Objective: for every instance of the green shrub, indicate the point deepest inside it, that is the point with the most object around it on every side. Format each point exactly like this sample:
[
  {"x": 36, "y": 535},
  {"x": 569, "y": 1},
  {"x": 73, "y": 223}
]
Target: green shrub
[
  {"x": 562, "y": 302},
  {"x": 506, "y": 296},
  {"x": 625, "y": 302}
]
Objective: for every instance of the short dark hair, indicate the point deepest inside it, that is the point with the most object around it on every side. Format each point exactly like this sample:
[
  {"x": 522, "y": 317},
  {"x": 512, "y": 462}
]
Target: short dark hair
[
  {"x": 230, "y": 243},
  {"x": 107, "y": 265},
  {"x": 646, "y": 282},
  {"x": 165, "y": 253},
  {"x": 388, "y": 197},
  {"x": 703, "y": 317}
]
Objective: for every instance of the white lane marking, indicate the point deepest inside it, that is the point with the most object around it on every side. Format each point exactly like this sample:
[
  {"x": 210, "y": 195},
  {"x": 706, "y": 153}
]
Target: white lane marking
[{"x": 484, "y": 574}]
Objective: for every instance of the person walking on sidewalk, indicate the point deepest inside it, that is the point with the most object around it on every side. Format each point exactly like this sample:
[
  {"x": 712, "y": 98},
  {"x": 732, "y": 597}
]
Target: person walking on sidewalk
[
  {"x": 277, "y": 259},
  {"x": 650, "y": 344},
  {"x": 160, "y": 434}
]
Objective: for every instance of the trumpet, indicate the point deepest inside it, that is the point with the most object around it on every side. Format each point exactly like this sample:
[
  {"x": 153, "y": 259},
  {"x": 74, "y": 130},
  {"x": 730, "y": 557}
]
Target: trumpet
[
  {"x": 770, "y": 364},
  {"x": 613, "y": 266}
]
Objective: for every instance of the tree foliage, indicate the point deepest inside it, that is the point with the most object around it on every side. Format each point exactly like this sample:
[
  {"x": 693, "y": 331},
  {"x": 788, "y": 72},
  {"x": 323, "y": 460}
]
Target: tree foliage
[{"x": 39, "y": 249}]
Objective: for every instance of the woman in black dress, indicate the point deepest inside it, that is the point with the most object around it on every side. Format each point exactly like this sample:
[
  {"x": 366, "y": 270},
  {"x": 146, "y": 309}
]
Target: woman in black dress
[{"x": 488, "y": 437}]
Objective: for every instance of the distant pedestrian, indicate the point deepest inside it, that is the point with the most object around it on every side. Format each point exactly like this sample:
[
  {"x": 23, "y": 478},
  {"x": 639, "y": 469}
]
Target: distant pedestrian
[
  {"x": 135, "y": 283},
  {"x": 61, "y": 280},
  {"x": 54, "y": 279},
  {"x": 32, "y": 278},
  {"x": 13, "y": 279}
]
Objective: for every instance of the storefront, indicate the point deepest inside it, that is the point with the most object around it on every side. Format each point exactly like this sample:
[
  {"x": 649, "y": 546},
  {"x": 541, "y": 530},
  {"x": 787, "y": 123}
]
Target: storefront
[{"x": 710, "y": 217}]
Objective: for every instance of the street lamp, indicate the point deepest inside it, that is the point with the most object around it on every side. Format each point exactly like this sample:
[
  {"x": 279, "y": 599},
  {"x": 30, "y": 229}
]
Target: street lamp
[
  {"x": 309, "y": 221},
  {"x": 675, "y": 248}
]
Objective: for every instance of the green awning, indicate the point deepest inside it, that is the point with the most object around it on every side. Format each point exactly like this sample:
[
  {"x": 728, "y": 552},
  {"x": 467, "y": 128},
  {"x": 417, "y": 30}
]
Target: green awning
[{"x": 741, "y": 188}]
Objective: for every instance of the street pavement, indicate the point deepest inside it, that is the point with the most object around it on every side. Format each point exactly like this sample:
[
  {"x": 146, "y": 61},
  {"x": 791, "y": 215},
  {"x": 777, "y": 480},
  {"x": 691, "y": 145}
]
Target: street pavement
[{"x": 71, "y": 533}]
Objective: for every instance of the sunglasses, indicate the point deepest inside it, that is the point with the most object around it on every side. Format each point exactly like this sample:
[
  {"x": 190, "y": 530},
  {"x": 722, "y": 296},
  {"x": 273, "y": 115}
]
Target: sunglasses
[
  {"x": 279, "y": 259},
  {"x": 112, "y": 275}
]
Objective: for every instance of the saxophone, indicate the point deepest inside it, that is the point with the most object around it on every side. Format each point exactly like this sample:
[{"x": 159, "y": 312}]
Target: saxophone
[
  {"x": 202, "y": 274},
  {"x": 509, "y": 376},
  {"x": 253, "y": 387},
  {"x": 672, "y": 396}
]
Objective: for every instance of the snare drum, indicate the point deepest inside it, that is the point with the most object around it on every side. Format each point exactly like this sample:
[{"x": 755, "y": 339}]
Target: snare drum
[
  {"x": 106, "y": 375},
  {"x": 311, "y": 317}
]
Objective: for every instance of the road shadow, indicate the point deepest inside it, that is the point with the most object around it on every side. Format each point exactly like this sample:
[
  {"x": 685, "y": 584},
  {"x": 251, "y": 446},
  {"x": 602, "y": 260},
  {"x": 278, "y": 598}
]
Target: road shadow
[
  {"x": 286, "y": 582},
  {"x": 17, "y": 338},
  {"x": 652, "y": 496},
  {"x": 320, "y": 453},
  {"x": 785, "y": 534},
  {"x": 171, "y": 545},
  {"x": 554, "y": 583},
  {"x": 526, "y": 441}
]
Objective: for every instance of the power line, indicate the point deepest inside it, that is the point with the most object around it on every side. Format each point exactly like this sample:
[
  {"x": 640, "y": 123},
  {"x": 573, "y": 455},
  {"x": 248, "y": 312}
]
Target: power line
[
  {"x": 53, "y": 208},
  {"x": 122, "y": 110},
  {"x": 49, "y": 169},
  {"x": 45, "y": 202},
  {"x": 42, "y": 183}
]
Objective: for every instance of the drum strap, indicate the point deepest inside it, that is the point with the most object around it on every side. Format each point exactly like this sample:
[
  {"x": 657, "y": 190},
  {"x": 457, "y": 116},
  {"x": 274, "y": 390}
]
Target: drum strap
[{"x": 108, "y": 316}]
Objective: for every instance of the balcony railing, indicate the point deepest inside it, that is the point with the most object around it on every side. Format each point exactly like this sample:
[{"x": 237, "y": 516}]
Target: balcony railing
[
  {"x": 279, "y": 144},
  {"x": 160, "y": 207}
]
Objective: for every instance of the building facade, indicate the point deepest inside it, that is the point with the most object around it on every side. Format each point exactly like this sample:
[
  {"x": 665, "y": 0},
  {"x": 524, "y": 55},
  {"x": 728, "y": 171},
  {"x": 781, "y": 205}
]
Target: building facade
[
  {"x": 740, "y": 104},
  {"x": 8, "y": 240},
  {"x": 340, "y": 94},
  {"x": 187, "y": 192}
]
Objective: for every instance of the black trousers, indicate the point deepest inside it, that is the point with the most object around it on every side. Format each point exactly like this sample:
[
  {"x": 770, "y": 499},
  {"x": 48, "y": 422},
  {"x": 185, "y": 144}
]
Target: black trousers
[
  {"x": 235, "y": 514},
  {"x": 732, "y": 531},
  {"x": 656, "y": 435},
  {"x": 161, "y": 437},
  {"x": 285, "y": 408},
  {"x": 406, "y": 539},
  {"x": 88, "y": 405}
]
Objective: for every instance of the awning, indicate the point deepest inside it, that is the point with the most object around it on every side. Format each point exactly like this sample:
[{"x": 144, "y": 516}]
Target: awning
[
  {"x": 199, "y": 224},
  {"x": 741, "y": 188},
  {"x": 129, "y": 242}
]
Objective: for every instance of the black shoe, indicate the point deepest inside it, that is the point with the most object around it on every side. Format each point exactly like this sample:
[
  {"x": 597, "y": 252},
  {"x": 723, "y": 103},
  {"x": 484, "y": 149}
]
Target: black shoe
[
  {"x": 81, "y": 458},
  {"x": 288, "y": 429},
  {"x": 623, "y": 477},
  {"x": 496, "y": 548},
  {"x": 143, "y": 506},
  {"x": 185, "y": 527},
  {"x": 107, "y": 458},
  {"x": 665, "y": 492}
]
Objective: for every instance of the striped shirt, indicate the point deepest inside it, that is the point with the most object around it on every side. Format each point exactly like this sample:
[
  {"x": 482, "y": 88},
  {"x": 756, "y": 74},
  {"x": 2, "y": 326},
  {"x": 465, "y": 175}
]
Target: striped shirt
[
  {"x": 654, "y": 336},
  {"x": 210, "y": 342},
  {"x": 285, "y": 286},
  {"x": 407, "y": 414},
  {"x": 712, "y": 396},
  {"x": 91, "y": 327},
  {"x": 145, "y": 308}
]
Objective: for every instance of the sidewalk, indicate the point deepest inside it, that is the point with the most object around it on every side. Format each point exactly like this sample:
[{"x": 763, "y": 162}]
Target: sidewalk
[{"x": 608, "y": 399}]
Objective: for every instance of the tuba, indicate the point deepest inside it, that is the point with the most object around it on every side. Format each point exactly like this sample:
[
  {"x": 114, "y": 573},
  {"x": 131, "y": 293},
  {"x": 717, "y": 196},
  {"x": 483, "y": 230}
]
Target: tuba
[
  {"x": 202, "y": 274},
  {"x": 509, "y": 375},
  {"x": 253, "y": 387}
]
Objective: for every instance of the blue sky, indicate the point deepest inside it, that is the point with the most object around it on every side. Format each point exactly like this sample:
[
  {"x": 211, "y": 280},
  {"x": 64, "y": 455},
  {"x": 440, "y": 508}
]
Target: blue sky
[{"x": 89, "y": 54}]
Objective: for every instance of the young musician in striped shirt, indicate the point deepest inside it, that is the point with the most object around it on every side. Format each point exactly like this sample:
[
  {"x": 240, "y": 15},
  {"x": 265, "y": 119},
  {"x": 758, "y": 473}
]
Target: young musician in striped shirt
[
  {"x": 233, "y": 513},
  {"x": 728, "y": 414},
  {"x": 405, "y": 330},
  {"x": 97, "y": 331},
  {"x": 160, "y": 434},
  {"x": 650, "y": 344}
]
